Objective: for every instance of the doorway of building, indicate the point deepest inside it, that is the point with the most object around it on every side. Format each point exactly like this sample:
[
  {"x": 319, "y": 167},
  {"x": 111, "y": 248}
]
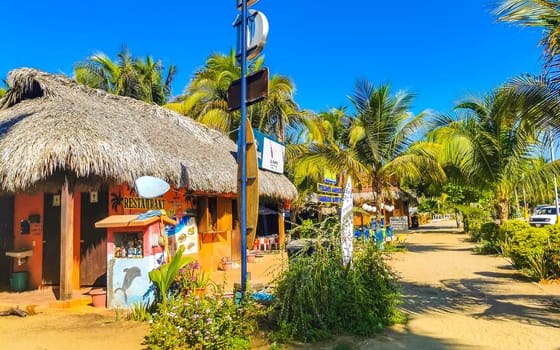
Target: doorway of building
[
  {"x": 6, "y": 237},
  {"x": 51, "y": 239},
  {"x": 93, "y": 241}
]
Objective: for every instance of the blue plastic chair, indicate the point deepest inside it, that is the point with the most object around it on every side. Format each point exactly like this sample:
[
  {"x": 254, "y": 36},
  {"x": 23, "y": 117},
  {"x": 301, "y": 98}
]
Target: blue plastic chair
[
  {"x": 389, "y": 232},
  {"x": 357, "y": 233},
  {"x": 379, "y": 239}
]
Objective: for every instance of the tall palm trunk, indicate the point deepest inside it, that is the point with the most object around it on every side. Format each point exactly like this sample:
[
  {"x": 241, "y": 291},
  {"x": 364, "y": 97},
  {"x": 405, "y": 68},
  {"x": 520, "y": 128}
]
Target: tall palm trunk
[{"x": 503, "y": 210}]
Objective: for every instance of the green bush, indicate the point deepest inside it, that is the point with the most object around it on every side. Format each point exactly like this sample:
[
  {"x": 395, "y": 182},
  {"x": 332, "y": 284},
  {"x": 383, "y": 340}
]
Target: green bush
[
  {"x": 490, "y": 232},
  {"x": 317, "y": 297},
  {"x": 510, "y": 227},
  {"x": 202, "y": 322},
  {"x": 473, "y": 218},
  {"x": 535, "y": 250},
  {"x": 489, "y": 238}
]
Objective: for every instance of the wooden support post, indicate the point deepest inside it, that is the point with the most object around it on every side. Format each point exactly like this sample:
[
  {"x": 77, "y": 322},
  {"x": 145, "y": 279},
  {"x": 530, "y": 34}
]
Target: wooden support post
[{"x": 66, "y": 241}]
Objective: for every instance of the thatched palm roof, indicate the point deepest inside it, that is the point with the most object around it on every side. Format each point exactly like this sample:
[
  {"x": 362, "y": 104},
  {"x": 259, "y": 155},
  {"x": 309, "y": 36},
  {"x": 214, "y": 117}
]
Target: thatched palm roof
[{"x": 52, "y": 127}]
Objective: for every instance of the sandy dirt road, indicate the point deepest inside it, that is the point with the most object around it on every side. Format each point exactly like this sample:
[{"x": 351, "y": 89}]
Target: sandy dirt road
[{"x": 455, "y": 299}]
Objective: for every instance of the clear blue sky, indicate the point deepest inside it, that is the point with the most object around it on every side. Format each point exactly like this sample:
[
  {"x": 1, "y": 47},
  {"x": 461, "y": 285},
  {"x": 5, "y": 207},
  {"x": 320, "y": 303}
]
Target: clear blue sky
[{"x": 442, "y": 50}]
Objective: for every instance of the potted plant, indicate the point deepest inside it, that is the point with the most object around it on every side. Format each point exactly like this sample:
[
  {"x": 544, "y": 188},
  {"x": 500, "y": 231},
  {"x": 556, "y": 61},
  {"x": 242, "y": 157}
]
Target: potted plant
[
  {"x": 200, "y": 282},
  {"x": 226, "y": 264},
  {"x": 192, "y": 279}
]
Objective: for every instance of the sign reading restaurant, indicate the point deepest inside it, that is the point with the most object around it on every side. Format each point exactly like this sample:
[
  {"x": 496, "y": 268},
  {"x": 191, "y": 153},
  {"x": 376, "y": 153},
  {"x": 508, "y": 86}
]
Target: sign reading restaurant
[{"x": 143, "y": 203}]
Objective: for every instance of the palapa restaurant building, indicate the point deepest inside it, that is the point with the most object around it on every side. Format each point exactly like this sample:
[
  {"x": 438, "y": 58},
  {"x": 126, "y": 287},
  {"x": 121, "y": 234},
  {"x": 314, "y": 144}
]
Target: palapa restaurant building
[{"x": 69, "y": 157}]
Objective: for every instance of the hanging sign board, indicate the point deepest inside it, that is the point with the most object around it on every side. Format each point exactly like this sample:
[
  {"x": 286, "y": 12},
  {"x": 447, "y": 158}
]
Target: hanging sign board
[
  {"x": 257, "y": 89},
  {"x": 399, "y": 223},
  {"x": 329, "y": 194}
]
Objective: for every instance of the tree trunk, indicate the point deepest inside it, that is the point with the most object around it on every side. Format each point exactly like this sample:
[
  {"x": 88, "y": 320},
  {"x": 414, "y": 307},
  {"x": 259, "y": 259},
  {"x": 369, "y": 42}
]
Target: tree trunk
[{"x": 503, "y": 210}]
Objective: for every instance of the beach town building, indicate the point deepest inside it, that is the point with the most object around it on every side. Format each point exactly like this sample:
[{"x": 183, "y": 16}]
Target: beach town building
[{"x": 69, "y": 157}]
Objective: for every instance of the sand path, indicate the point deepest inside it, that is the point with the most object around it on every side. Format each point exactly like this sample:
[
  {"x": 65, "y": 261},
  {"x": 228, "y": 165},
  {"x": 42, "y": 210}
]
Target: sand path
[{"x": 457, "y": 299}]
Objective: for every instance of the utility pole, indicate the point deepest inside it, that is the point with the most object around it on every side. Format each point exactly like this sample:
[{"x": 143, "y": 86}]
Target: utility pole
[{"x": 555, "y": 183}]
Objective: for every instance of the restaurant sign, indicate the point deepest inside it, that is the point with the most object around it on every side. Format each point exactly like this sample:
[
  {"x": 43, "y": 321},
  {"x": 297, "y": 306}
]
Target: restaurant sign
[{"x": 143, "y": 203}]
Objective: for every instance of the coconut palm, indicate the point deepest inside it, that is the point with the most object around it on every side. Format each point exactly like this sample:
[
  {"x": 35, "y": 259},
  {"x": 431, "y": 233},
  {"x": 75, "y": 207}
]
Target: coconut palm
[
  {"x": 374, "y": 146},
  {"x": 279, "y": 111},
  {"x": 157, "y": 88},
  {"x": 492, "y": 143},
  {"x": 205, "y": 98},
  {"x": 382, "y": 135},
  {"x": 128, "y": 76},
  {"x": 544, "y": 14},
  {"x": 321, "y": 146}
]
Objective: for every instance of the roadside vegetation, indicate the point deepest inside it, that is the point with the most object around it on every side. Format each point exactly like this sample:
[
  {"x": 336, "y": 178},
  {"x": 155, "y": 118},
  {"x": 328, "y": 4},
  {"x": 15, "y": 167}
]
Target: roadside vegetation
[{"x": 315, "y": 297}]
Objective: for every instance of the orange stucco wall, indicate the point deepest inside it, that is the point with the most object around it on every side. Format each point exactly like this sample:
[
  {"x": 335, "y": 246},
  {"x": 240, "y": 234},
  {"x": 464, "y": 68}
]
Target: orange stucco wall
[
  {"x": 212, "y": 246},
  {"x": 25, "y": 205}
]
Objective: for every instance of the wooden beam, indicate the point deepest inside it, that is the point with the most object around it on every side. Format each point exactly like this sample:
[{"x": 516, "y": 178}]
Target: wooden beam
[{"x": 66, "y": 241}]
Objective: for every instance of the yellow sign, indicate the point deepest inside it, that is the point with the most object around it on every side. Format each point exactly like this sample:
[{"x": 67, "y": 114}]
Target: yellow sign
[{"x": 143, "y": 203}]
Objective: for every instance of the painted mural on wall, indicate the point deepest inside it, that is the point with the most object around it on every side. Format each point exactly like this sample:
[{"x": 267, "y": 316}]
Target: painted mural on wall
[{"x": 128, "y": 281}]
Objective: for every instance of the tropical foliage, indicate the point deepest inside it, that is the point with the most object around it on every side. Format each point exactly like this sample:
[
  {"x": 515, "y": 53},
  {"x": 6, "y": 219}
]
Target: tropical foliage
[
  {"x": 203, "y": 322},
  {"x": 142, "y": 79},
  {"x": 492, "y": 143},
  {"x": 317, "y": 297},
  {"x": 375, "y": 146},
  {"x": 205, "y": 99},
  {"x": 533, "y": 250},
  {"x": 166, "y": 274}
]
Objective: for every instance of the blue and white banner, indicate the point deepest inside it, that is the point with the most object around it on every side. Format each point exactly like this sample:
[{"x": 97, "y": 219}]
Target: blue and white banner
[{"x": 270, "y": 153}]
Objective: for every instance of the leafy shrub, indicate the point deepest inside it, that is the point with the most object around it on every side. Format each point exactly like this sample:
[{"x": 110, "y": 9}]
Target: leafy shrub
[
  {"x": 473, "y": 218},
  {"x": 490, "y": 232},
  {"x": 165, "y": 275},
  {"x": 489, "y": 238},
  {"x": 318, "y": 297},
  {"x": 203, "y": 322},
  {"x": 536, "y": 250},
  {"x": 306, "y": 229},
  {"x": 510, "y": 227}
]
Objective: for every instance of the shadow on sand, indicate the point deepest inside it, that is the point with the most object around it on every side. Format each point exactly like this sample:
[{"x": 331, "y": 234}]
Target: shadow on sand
[{"x": 470, "y": 296}]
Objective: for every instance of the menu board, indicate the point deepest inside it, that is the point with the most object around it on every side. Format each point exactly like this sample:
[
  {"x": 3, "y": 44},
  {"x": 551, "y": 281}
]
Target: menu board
[{"x": 399, "y": 223}]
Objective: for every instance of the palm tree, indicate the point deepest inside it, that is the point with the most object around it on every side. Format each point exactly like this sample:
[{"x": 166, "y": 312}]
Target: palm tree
[
  {"x": 491, "y": 144},
  {"x": 157, "y": 88},
  {"x": 128, "y": 76},
  {"x": 279, "y": 111},
  {"x": 544, "y": 14},
  {"x": 205, "y": 98},
  {"x": 383, "y": 134},
  {"x": 375, "y": 146}
]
